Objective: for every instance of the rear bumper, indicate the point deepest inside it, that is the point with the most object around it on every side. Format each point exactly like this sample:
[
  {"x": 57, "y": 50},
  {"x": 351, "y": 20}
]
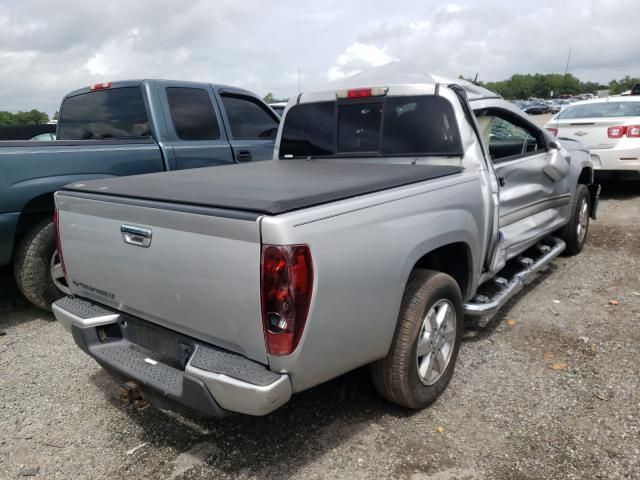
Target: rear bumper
[
  {"x": 616, "y": 159},
  {"x": 172, "y": 370}
]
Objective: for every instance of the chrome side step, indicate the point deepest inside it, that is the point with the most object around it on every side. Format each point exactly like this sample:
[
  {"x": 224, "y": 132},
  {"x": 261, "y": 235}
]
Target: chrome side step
[{"x": 482, "y": 305}]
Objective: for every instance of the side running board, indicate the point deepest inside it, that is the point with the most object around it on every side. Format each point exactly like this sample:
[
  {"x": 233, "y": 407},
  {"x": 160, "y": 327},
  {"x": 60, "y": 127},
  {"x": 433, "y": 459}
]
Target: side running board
[{"x": 482, "y": 305}]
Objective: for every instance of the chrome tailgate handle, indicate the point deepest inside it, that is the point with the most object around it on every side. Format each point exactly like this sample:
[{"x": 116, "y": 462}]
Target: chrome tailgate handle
[{"x": 138, "y": 236}]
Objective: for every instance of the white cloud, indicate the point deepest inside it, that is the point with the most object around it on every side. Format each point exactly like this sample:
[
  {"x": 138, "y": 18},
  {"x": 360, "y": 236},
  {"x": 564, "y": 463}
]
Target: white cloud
[
  {"x": 357, "y": 57},
  {"x": 46, "y": 51}
]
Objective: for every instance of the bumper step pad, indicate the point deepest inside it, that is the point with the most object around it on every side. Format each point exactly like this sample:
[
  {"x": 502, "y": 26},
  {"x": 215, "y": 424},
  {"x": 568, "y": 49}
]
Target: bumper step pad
[
  {"x": 134, "y": 364},
  {"x": 232, "y": 365}
]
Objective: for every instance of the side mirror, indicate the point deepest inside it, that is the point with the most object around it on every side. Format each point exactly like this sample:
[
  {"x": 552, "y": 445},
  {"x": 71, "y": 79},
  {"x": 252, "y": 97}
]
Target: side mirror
[{"x": 558, "y": 166}]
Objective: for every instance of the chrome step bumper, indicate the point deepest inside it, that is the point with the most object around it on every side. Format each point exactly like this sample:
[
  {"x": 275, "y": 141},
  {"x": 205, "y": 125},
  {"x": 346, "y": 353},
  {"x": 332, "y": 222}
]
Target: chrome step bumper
[{"x": 482, "y": 306}]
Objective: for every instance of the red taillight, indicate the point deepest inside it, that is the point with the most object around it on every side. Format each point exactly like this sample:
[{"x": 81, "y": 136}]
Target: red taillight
[
  {"x": 286, "y": 283},
  {"x": 362, "y": 92},
  {"x": 554, "y": 131},
  {"x": 100, "y": 86},
  {"x": 633, "y": 131},
  {"x": 56, "y": 224},
  {"x": 616, "y": 132}
]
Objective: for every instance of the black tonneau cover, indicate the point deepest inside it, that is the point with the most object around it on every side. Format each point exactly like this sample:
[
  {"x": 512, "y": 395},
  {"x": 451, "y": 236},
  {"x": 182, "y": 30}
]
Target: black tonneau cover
[{"x": 269, "y": 187}]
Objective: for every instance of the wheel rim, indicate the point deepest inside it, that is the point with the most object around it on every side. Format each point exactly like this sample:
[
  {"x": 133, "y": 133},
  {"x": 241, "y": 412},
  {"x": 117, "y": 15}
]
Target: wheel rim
[
  {"x": 436, "y": 341},
  {"x": 583, "y": 220},
  {"x": 57, "y": 275}
]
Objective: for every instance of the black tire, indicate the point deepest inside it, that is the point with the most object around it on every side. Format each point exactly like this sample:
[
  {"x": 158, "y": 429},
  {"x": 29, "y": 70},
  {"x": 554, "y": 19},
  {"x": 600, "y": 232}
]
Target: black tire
[
  {"x": 574, "y": 240},
  {"x": 31, "y": 265},
  {"x": 396, "y": 376}
]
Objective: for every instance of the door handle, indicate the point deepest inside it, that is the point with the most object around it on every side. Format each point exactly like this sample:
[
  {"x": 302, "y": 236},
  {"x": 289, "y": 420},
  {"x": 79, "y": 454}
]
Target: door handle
[{"x": 243, "y": 156}]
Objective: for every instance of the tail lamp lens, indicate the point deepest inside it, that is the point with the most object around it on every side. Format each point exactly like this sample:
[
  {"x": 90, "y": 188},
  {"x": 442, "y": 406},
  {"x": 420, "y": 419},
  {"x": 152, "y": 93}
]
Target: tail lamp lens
[
  {"x": 616, "y": 132},
  {"x": 287, "y": 283},
  {"x": 633, "y": 131},
  {"x": 553, "y": 131},
  {"x": 56, "y": 224}
]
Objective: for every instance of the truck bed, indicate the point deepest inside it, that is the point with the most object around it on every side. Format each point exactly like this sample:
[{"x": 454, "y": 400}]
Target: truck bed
[{"x": 271, "y": 188}]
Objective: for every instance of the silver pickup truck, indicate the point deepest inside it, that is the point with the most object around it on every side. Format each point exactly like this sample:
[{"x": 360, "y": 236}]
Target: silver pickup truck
[{"x": 388, "y": 214}]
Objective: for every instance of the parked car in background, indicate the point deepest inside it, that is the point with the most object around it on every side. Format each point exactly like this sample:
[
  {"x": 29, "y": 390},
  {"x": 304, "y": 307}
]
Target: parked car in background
[
  {"x": 113, "y": 129},
  {"x": 535, "y": 108},
  {"x": 389, "y": 213},
  {"x": 610, "y": 127},
  {"x": 44, "y": 137},
  {"x": 558, "y": 104}
]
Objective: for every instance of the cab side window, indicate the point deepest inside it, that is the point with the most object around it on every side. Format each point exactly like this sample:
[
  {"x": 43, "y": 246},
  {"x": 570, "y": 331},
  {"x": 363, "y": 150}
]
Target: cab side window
[
  {"x": 509, "y": 141},
  {"x": 192, "y": 113},
  {"x": 248, "y": 118}
]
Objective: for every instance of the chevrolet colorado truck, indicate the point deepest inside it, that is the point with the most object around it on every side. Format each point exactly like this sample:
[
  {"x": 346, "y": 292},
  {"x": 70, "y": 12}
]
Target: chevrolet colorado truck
[
  {"x": 389, "y": 212},
  {"x": 114, "y": 129}
]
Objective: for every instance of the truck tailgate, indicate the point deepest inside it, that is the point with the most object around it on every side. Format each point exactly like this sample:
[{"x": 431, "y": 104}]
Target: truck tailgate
[{"x": 199, "y": 275}]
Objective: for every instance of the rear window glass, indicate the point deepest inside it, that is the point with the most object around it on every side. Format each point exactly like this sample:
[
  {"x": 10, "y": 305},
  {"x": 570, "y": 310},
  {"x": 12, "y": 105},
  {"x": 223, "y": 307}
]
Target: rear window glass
[
  {"x": 602, "y": 109},
  {"x": 422, "y": 125},
  {"x": 104, "y": 114},
  {"x": 359, "y": 127}
]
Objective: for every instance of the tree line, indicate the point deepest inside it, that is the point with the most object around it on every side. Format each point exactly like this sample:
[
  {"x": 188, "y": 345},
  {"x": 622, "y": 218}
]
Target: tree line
[
  {"x": 33, "y": 117},
  {"x": 552, "y": 85}
]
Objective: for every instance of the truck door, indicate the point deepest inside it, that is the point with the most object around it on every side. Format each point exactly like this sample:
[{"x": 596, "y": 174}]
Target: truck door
[
  {"x": 251, "y": 125},
  {"x": 532, "y": 176},
  {"x": 194, "y": 126}
]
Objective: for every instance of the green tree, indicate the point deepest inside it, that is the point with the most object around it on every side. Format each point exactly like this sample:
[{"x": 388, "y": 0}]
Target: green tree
[
  {"x": 23, "y": 118},
  {"x": 269, "y": 98},
  {"x": 622, "y": 85},
  {"x": 542, "y": 86}
]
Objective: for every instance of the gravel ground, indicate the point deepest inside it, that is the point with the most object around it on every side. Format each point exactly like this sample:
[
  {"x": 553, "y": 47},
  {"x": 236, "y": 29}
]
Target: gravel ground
[{"x": 549, "y": 389}]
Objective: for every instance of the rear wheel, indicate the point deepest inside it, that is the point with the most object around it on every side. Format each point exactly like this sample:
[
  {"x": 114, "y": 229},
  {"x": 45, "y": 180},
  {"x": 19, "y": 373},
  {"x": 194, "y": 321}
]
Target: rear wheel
[
  {"x": 37, "y": 267},
  {"x": 423, "y": 352},
  {"x": 574, "y": 233}
]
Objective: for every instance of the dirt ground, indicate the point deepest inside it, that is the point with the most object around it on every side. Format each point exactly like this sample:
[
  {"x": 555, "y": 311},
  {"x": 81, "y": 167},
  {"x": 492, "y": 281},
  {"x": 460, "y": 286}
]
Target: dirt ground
[{"x": 549, "y": 389}]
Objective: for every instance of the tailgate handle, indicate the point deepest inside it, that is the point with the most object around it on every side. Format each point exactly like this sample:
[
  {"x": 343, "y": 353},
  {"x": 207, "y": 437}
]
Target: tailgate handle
[{"x": 138, "y": 236}]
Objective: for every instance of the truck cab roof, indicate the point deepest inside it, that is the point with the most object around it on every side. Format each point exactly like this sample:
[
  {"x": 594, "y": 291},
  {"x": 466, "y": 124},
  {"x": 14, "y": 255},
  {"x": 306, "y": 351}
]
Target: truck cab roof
[
  {"x": 406, "y": 78},
  {"x": 138, "y": 82}
]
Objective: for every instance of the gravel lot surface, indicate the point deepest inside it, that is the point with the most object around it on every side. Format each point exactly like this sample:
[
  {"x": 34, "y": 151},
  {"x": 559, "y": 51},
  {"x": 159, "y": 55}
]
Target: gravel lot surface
[{"x": 548, "y": 389}]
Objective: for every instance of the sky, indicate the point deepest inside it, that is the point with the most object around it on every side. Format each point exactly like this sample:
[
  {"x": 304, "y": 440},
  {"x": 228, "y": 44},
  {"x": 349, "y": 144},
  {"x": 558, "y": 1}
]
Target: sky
[{"x": 49, "y": 48}]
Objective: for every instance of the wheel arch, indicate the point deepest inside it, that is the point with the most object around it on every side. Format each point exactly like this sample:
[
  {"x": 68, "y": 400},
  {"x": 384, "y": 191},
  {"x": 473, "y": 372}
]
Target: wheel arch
[
  {"x": 34, "y": 211},
  {"x": 586, "y": 176},
  {"x": 454, "y": 259}
]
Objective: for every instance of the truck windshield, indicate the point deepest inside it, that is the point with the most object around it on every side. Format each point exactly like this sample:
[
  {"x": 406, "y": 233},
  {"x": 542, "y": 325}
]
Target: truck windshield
[
  {"x": 104, "y": 114},
  {"x": 376, "y": 126}
]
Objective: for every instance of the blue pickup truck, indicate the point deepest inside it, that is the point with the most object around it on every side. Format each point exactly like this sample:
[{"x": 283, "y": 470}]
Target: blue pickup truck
[{"x": 116, "y": 129}]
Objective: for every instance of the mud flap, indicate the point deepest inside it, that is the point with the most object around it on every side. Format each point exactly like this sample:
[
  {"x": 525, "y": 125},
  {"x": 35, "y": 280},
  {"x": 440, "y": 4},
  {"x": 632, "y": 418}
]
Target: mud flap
[{"x": 594, "y": 198}]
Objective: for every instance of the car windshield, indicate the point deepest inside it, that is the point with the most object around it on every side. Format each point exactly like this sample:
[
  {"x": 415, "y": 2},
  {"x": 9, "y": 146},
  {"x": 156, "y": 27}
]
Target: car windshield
[
  {"x": 104, "y": 114},
  {"x": 602, "y": 109},
  {"x": 376, "y": 126}
]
